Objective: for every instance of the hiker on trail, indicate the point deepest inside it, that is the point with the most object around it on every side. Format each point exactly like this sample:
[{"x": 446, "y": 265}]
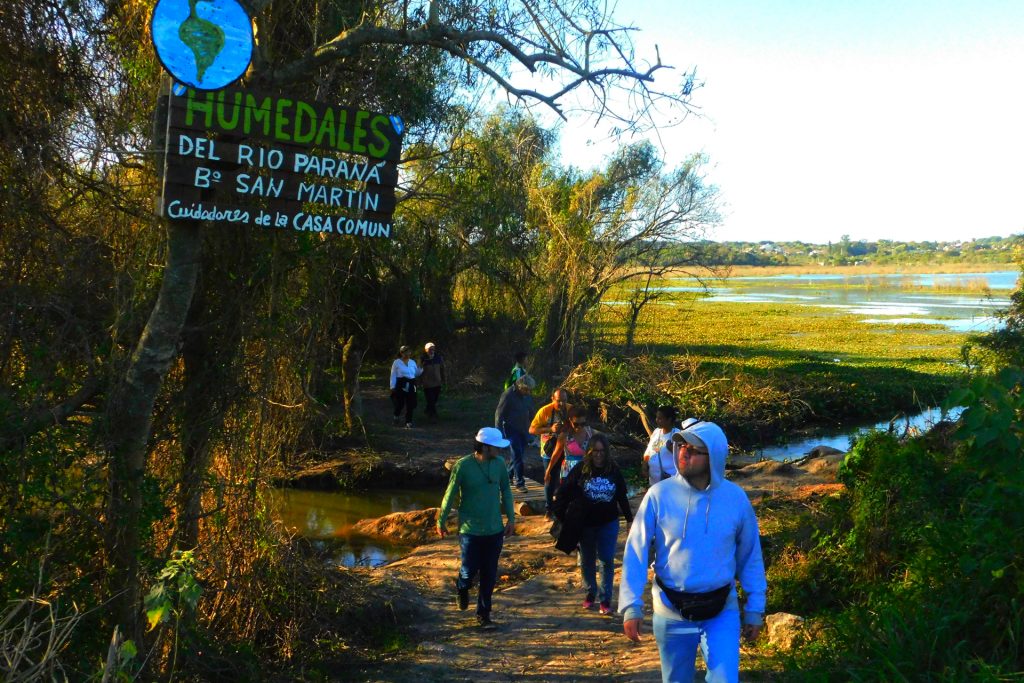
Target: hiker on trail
[
  {"x": 571, "y": 446},
  {"x": 512, "y": 417},
  {"x": 586, "y": 505},
  {"x": 404, "y": 373},
  {"x": 518, "y": 370},
  {"x": 659, "y": 456},
  {"x": 548, "y": 423},
  {"x": 705, "y": 537},
  {"x": 433, "y": 378},
  {"x": 480, "y": 483}
]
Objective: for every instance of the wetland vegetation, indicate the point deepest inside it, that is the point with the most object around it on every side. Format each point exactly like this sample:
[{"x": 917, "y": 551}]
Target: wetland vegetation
[{"x": 766, "y": 355}]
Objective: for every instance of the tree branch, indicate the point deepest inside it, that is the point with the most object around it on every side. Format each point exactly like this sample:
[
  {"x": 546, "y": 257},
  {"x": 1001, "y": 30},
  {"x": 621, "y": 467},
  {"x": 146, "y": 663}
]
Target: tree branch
[
  {"x": 545, "y": 45},
  {"x": 48, "y": 417}
]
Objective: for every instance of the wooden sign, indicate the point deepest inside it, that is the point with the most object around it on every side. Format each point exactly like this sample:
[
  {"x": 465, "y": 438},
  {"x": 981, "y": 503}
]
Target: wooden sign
[{"x": 235, "y": 156}]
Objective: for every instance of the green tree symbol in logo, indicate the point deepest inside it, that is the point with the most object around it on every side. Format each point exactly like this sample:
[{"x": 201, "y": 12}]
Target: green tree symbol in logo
[{"x": 203, "y": 37}]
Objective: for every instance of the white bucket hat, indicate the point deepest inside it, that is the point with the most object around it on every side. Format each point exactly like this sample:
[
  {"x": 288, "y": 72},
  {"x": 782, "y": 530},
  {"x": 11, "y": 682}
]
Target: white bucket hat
[{"x": 492, "y": 437}]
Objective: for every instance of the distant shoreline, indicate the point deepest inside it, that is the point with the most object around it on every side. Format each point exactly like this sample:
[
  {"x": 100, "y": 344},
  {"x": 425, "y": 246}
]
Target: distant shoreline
[{"x": 864, "y": 269}]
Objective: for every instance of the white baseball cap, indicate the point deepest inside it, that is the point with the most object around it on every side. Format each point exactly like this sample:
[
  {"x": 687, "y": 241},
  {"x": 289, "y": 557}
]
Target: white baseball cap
[
  {"x": 429, "y": 345},
  {"x": 491, "y": 436},
  {"x": 692, "y": 439}
]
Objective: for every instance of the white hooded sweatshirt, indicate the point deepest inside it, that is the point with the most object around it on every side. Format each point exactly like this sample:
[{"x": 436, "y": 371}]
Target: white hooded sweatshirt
[{"x": 703, "y": 540}]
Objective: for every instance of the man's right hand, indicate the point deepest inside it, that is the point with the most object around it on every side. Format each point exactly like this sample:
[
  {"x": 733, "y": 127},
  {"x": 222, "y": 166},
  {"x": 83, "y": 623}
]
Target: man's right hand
[
  {"x": 441, "y": 531},
  {"x": 631, "y": 628}
]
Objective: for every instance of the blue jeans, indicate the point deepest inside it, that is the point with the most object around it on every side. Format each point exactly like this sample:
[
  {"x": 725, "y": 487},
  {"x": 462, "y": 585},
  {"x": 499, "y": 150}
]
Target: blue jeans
[
  {"x": 551, "y": 486},
  {"x": 480, "y": 556},
  {"x": 517, "y": 442},
  {"x": 597, "y": 544},
  {"x": 719, "y": 641}
]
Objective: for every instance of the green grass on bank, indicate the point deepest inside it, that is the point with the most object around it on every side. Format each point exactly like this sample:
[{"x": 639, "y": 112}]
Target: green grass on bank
[{"x": 765, "y": 369}]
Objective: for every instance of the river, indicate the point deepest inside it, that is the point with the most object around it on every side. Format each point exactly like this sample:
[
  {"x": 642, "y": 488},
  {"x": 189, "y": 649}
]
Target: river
[
  {"x": 326, "y": 518},
  {"x": 840, "y": 438}
]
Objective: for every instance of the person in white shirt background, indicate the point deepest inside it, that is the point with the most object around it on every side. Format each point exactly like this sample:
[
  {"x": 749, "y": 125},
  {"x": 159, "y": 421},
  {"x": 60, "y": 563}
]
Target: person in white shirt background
[
  {"x": 659, "y": 458},
  {"x": 404, "y": 372}
]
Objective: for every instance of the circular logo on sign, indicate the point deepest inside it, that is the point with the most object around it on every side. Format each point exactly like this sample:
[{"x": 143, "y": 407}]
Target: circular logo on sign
[{"x": 205, "y": 44}]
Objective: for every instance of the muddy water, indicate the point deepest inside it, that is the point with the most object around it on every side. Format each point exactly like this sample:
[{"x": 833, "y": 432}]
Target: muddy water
[{"x": 326, "y": 518}]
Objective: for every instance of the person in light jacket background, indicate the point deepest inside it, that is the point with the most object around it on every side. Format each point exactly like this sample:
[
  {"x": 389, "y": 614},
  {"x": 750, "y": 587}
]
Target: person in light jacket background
[
  {"x": 705, "y": 537},
  {"x": 404, "y": 373}
]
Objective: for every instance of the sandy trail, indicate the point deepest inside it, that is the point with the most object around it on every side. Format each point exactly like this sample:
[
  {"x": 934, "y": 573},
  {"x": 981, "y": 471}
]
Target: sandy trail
[{"x": 544, "y": 634}]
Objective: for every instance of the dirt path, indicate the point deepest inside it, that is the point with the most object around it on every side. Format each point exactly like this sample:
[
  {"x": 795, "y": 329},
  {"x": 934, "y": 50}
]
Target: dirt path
[
  {"x": 544, "y": 633},
  {"x": 462, "y": 412}
]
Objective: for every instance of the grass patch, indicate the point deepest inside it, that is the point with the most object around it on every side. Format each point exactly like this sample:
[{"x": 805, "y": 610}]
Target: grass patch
[{"x": 762, "y": 369}]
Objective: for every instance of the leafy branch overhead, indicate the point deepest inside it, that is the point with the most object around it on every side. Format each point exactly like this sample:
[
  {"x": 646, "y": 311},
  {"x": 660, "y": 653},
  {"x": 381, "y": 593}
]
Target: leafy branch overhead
[{"x": 537, "y": 51}]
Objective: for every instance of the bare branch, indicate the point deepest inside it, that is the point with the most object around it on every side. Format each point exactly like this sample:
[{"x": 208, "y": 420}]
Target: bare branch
[{"x": 572, "y": 47}]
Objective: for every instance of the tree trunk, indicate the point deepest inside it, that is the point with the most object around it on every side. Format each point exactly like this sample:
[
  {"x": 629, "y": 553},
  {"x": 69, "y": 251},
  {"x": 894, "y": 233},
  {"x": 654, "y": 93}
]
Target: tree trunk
[
  {"x": 631, "y": 323},
  {"x": 351, "y": 360},
  {"x": 198, "y": 416},
  {"x": 131, "y": 415}
]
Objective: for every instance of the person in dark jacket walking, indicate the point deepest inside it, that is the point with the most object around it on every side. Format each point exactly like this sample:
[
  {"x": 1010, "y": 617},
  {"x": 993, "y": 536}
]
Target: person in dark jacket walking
[
  {"x": 512, "y": 417},
  {"x": 588, "y": 498}
]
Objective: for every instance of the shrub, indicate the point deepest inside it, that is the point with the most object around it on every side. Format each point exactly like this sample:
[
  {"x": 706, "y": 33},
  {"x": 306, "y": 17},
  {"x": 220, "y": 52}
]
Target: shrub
[{"x": 933, "y": 554}]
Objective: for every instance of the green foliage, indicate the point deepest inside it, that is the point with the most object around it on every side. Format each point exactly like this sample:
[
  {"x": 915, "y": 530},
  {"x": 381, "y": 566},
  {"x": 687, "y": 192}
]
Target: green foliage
[
  {"x": 176, "y": 591},
  {"x": 754, "y": 403},
  {"x": 1006, "y": 343},
  {"x": 126, "y": 664},
  {"x": 930, "y": 551}
]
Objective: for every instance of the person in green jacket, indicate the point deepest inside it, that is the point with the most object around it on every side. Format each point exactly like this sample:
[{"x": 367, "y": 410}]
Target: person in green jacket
[{"x": 482, "y": 489}]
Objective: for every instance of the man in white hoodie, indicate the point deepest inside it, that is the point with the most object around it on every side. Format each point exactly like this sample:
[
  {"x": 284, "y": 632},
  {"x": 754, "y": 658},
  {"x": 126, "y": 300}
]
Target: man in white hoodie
[{"x": 705, "y": 537}]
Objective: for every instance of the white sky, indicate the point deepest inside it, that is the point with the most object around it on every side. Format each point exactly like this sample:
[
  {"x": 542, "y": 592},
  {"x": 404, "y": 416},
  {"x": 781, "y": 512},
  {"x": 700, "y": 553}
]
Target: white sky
[{"x": 898, "y": 119}]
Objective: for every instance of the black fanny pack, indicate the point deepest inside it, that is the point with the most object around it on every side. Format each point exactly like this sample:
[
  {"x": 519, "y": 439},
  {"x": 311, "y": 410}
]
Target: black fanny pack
[{"x": 696, "y": 606}]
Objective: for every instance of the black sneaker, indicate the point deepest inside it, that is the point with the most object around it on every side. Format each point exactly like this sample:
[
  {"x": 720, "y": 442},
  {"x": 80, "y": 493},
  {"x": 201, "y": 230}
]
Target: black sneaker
[
  {"x": 463, "y": 597},
  {"x": 484, "y": 622}
]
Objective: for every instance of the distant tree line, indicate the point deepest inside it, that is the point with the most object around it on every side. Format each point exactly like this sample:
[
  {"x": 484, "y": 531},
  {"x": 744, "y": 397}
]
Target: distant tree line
[{"x": 846, "y": 251}]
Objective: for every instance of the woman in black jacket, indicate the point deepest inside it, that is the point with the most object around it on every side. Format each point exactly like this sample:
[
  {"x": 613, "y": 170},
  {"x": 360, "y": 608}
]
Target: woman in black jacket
[{"x": 586, "y": 505}]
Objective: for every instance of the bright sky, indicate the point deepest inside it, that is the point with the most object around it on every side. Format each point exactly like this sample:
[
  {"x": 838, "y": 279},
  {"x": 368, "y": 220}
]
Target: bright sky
[{"x": 898, "y": 119}]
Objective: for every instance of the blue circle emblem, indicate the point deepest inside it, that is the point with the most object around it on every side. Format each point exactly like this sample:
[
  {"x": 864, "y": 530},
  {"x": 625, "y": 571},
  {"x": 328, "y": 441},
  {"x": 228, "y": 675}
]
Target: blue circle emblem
[{"x": 205, "y": 44}]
